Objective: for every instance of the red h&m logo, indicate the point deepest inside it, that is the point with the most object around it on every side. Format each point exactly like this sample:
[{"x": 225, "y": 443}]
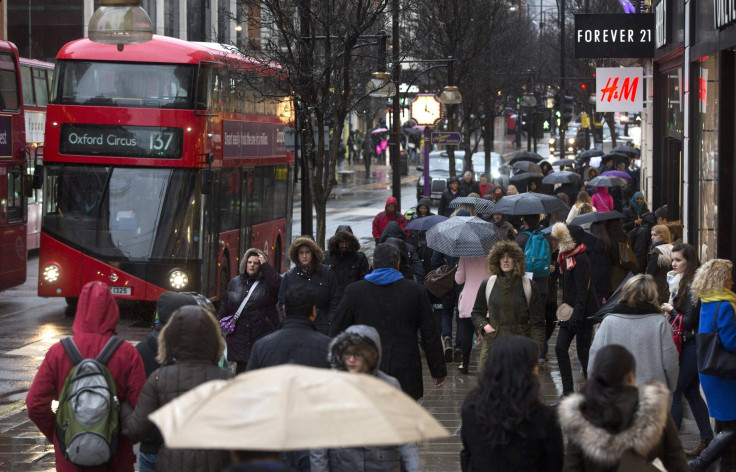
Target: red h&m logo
[{"x": 628, "y": 90}]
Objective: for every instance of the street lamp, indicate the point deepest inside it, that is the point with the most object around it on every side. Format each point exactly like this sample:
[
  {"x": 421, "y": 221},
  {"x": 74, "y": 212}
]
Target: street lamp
[{"x": 120, "y": 22}]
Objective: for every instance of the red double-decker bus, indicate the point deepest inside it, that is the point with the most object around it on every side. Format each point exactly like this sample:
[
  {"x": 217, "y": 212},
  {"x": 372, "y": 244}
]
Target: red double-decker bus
[
  {"x": 13, "y": 202},
  {"x": 36, "y": 78},
  {"x": 161, "y": 167}
]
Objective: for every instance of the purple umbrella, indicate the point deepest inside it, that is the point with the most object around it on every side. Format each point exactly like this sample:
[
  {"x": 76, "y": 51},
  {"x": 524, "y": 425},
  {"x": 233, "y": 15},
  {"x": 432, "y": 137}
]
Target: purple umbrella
[{"x": 617, "y": 173}]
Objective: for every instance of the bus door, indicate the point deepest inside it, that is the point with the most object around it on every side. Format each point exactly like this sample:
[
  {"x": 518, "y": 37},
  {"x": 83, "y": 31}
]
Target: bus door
[
  {"x": 210, "y": 237},
  {"x": 12, "y": 227},
  {"x": 247, "y": 200}
]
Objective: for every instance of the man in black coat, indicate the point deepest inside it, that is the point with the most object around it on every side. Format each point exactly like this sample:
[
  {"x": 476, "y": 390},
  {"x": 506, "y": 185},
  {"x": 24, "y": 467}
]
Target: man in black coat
[
  {"x": 345, "y": 258},
  {"x": 641, "y": 239},
  {"x": 297, "y": 341},
  {"x": 452, "y": 191},
  {"x": 397, "y": 308}
]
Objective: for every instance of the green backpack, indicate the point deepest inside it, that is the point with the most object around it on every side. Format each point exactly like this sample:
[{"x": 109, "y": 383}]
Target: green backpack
[{"x": 88, "y": 417}]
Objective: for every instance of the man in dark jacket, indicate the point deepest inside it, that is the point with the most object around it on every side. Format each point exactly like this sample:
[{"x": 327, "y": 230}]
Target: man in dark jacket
[
  {"x": 297, "y": 341},
  {"x": 397, "y": 308},
  {"x": 345, "y": 258},
  {"x": 641, "y": 237},
  {"x": 168, "y": 303},
  {"x": 410, "y": 265},
  {"x": 449, "y": 194},
  {"x": 468, "y": 185}
]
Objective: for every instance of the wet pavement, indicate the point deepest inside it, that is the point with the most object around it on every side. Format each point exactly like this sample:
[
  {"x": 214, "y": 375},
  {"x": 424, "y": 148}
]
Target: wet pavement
[{"x": 32, "y": 324}]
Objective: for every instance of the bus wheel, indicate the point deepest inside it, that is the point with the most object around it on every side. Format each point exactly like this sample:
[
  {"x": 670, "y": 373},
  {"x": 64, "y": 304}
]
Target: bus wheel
[
  {"x": 224, "y": 277},
  {"x": 71, "y": 308}
]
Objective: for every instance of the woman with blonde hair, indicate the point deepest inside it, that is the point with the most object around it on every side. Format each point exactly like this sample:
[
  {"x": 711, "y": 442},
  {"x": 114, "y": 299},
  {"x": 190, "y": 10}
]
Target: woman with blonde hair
[
  {"x": 637, "y": 324},
  {"x": 582, "y": 206},
  {"x": 511, "y": 305},
  {"x": 659, "y": 260},
  {"x": 712, "y": 286}
]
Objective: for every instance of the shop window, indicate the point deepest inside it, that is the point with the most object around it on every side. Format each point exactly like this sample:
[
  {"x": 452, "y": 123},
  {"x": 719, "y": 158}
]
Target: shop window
[{"x": 707, "y": 122}]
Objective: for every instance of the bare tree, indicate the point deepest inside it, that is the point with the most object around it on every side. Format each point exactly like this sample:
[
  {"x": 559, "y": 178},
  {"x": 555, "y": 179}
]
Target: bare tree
[{"x": 322, "y": 50}]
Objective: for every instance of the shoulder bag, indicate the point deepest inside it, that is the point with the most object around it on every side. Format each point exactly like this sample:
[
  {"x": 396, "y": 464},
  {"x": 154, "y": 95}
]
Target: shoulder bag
[
  {"x": 677, "y": 332},
  {"x": 627, "y": 258},
  {"x": 713, "y": 358},
  {"x": 440, "y": 281},
  {"x": 227, "y": 323}
]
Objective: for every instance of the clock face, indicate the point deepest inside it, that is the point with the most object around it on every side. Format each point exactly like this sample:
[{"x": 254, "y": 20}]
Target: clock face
[{"x": 426, "y": 109}]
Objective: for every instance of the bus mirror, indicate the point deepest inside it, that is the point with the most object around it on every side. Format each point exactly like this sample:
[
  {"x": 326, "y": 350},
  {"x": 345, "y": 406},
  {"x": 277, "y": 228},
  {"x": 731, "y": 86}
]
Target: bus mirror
[
  {"x": 206, "y": 182},
  {"x": 38, "y": 176},
  {"x": 27, "y": 185}
]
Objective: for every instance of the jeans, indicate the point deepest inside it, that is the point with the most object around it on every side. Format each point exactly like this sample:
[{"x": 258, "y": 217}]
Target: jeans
[
  {"x": 688, "y": 384},
  {"x": 564, "y": 339},
  {"x": 449, "y": 302},
  {"x": 147, "y": 462},
  {"x": 465, "y": 333}
]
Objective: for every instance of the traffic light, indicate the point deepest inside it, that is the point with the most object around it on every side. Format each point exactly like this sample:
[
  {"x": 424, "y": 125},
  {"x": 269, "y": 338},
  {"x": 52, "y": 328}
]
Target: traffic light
[{"x": 567, "y": 109}]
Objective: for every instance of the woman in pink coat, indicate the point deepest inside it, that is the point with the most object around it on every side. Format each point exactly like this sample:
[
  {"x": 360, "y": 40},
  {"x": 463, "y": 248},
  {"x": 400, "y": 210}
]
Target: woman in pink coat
[
  {"x": 471, "y": 271},
  {"x": 602, "y": 200}
]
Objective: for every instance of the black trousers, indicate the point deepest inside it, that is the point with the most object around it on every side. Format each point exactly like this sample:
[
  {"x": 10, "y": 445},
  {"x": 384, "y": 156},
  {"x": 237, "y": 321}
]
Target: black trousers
[{"x": 583, "y": 337}]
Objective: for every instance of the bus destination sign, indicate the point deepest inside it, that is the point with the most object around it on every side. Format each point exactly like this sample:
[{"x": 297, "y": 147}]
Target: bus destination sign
[{"x": 153, "y": 142}]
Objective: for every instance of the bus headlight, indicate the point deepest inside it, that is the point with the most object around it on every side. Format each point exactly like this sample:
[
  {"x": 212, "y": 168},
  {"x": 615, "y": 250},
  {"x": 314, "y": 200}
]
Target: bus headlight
[
  {"x": 51, "y": 273},
  {"x": 178, "y": 279}
]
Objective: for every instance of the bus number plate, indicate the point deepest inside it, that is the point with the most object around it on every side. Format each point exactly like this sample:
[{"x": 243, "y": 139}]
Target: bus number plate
[{"x": 120, "y": 290}]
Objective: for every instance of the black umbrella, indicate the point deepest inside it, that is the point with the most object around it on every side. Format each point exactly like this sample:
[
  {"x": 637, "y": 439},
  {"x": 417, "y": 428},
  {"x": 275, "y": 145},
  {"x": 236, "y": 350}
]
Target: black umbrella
[
  {"x": 627, "y": 150},
  {"x": 612, "y": 301},
  {"x": 527, "y": 166},
  {"x": 463, "y": 236},
  {"x": 481, "y": 205},
  {"x": 424, "y": 223},
  {"x": 606, "y": 181},
  {"x": 412, "y": 131},
  {"x": 564, "y": 162},
  {"x": 562, "y": 177},
  {"x": 529, "y": 203},
  {"x": 526, "y": 156},
  {"x": 596, "y": 216},
  {"x": 590, "y": 153},
  {"x": 525, "y": 177}
]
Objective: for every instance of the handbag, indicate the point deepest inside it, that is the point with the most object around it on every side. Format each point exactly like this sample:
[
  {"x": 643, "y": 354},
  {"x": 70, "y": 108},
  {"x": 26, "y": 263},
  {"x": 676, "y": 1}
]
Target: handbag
[
  {"x": 227, "y": 323},
  {"x": 440, "y": 281},
  {"x": 677, "y": 332},
  {"x": 627, "y": 258},
  {"x": 564, "y": 312},
  {"x": 713, "y": 358}
]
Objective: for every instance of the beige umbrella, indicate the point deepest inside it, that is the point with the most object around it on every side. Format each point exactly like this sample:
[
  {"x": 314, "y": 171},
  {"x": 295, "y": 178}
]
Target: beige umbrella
[{"x": 292, "y": 407}]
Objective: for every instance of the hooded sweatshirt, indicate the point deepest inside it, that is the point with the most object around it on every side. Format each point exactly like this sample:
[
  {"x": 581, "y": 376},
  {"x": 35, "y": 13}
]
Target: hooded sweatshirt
[
  {"x": 369, "y": 459},
  {"x": 94, "y": 323},
  {"x": 382, "y": 219}
]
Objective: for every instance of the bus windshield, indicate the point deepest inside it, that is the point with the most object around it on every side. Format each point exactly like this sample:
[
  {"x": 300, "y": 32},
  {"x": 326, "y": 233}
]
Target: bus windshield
[
  {"x": 138, "y": 85},
  {"x": 124, "y": 214}
]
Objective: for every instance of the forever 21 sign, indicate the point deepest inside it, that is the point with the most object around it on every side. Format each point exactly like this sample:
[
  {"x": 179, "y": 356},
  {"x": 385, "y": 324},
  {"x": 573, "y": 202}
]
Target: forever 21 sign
[
  {"x": 614, "y": 35},
  {"x": 121, "y": 141}
]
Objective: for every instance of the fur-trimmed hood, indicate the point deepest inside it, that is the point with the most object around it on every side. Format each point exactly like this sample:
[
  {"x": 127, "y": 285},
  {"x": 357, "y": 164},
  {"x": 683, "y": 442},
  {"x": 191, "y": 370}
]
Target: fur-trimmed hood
[
  {"x": 244, "y": 261},
  {"x": 318, "y": 254},
  {"x": 606, "y": 448},
  {"x": 562, "y": 234},
  {"x": 192, "y": 333},
  {"x": 664, "y": 259},
  {"x": 355, "y": 334},
  {"x": 333, "y": 245},
  {"x": 506, "y": 247}
]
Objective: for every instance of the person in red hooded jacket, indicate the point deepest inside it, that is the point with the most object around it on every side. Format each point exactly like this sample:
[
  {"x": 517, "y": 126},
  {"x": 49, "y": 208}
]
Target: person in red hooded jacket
[
  {"x": 391, "y": 213},
  {"x": 94, "y": 323}
]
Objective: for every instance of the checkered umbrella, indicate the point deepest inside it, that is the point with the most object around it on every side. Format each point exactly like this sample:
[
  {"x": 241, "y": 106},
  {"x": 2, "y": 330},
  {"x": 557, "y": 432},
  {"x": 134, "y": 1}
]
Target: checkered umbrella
[
  {"x": 481, "y": 205},
  {"x": 463, "y": 236}
]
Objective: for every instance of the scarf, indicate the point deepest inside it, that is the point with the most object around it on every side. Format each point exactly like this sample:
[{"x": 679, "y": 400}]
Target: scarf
[
  {"x": 718, "y": 295},
  {"x": 307, "y": 270},
  {"x": 569, "y": 257},
  {"x": 384, "y": 276},
  {"x": 636, "y": 207}
]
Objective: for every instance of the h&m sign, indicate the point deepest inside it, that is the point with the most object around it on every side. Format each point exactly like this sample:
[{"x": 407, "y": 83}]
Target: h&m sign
[{"x": 619, "y": 89}]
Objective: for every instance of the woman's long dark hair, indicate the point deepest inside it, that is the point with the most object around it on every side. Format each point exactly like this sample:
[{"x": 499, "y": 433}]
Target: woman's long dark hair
[
  {"x": 599, "y": 230},
  {"x": 613, "y": 364},
  {"x": 508, "y": 390},
  {"x": 691, "y": 256}
]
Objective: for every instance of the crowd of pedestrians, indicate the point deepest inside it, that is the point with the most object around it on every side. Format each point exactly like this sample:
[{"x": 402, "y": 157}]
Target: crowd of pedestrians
[{"x": 622, "y": 285}]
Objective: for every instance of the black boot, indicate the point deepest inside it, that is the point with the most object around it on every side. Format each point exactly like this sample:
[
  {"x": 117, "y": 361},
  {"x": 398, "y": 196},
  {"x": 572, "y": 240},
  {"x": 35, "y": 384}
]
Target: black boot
[{"x": 715, "y": 449}]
